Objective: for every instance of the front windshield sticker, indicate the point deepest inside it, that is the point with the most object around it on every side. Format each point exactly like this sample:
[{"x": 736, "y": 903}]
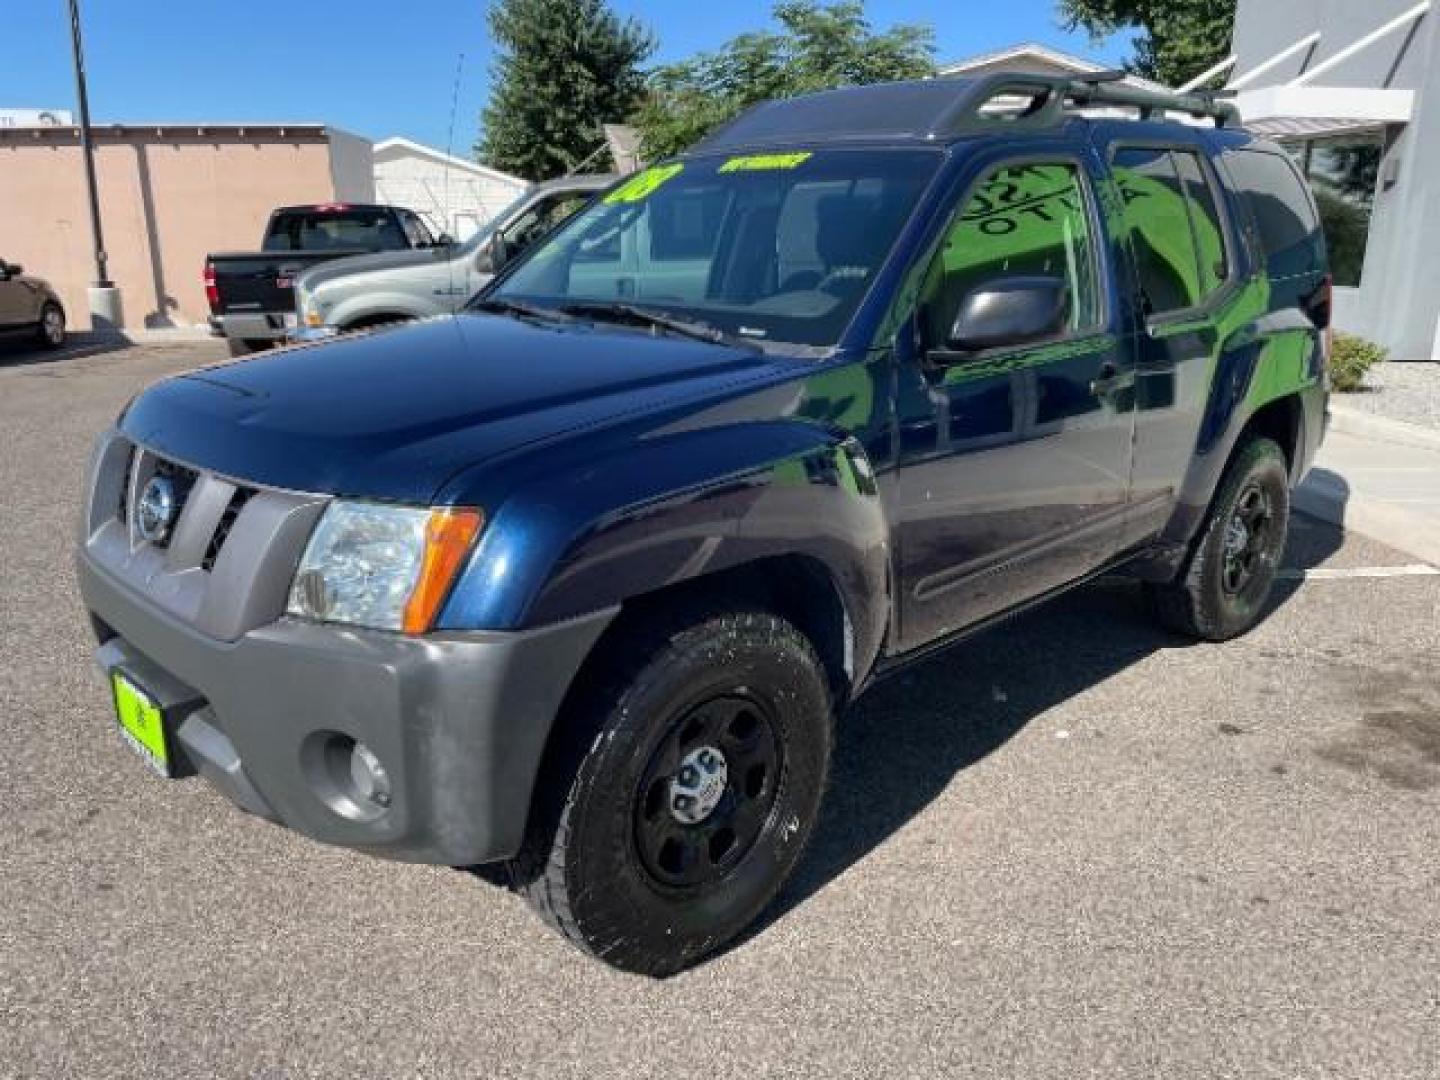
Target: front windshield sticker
[
  {"x": 643, "y": 184},
  {"x": 765, "y": 162}
]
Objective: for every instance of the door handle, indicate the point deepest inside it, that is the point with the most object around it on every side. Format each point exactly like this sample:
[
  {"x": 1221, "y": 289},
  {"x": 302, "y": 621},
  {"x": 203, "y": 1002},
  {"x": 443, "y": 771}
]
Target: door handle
[{"x": 1111, "y": 380}]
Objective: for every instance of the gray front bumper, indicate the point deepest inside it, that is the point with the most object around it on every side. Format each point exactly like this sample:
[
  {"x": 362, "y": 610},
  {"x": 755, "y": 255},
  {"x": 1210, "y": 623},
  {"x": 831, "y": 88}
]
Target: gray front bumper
[
  {"x": 459, "y": 720},
  {"x": 253, "y": 325}
]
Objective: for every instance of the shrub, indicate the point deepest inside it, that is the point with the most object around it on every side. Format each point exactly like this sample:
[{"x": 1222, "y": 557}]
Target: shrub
[{"x": 1350, "y": 359}]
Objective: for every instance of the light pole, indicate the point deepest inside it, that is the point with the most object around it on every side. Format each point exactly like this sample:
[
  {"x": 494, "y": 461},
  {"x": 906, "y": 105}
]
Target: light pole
[{"x": 104, "y": 296}]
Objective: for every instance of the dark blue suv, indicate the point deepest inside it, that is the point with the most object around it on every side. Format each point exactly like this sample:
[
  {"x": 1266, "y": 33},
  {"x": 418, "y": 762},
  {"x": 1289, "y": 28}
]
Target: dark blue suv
[{"x": 577, "y": 581}]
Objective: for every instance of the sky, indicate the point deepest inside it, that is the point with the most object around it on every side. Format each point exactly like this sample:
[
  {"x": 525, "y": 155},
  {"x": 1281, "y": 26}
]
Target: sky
[{"x": 384, "y": 68}]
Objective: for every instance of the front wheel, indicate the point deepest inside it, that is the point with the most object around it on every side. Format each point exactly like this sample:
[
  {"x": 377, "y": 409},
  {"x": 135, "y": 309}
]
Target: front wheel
[
  {"x": 687, "y": 793},
  {"x": 51, "y": 329},
  {"x": 1224, "y": 587}
]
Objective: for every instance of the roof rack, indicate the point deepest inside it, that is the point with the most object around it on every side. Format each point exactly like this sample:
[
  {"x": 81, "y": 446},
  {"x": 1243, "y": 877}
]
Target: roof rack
[{"x": 1050, "y": 95}]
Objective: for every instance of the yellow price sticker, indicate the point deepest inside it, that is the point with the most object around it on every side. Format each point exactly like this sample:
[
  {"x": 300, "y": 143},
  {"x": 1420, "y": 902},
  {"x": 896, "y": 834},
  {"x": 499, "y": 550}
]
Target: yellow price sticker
[
  {"x": 766, "y": 162},
  {"x": 643, "y": 184}
]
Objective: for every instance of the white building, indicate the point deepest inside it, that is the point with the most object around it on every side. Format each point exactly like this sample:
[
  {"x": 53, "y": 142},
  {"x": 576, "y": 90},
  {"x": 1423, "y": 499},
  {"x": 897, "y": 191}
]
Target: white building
[{"x": 456, "y": 196}]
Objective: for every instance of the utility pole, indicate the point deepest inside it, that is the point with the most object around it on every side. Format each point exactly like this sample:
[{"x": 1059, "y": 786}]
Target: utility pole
[{"x": 104, "y": 296}]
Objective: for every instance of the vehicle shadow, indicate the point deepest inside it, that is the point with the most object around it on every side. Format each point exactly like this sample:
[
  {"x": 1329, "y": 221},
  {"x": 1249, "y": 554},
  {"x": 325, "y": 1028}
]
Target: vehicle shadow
[
  {"x": 905, "y": 741},
  {"x": 19, "y": 352}
]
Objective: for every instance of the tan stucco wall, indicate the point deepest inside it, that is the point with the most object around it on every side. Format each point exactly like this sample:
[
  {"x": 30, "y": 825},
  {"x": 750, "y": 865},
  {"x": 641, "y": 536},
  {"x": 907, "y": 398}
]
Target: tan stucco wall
[{"x": 165, "y": 200}]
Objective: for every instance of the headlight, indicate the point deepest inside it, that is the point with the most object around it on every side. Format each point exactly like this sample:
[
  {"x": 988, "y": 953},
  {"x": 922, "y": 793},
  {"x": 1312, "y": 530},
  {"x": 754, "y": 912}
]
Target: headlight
[{"x": 385, "y": 567}]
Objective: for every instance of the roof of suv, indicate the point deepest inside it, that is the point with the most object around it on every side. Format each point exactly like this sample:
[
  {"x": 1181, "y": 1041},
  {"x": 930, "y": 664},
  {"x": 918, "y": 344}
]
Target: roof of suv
[{"x": 932, "y": 111}]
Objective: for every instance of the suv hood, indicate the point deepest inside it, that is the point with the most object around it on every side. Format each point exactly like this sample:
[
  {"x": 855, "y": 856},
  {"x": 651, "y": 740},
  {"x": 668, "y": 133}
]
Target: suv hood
[{"x": 392, "y": 414}]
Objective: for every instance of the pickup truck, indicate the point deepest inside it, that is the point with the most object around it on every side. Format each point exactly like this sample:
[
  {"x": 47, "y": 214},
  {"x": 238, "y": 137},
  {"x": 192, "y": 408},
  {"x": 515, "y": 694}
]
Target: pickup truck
[
  {"x": 251, "y": 293},
  {"x": 577, "y": 582},
  {"x": 375, "y": 290}
]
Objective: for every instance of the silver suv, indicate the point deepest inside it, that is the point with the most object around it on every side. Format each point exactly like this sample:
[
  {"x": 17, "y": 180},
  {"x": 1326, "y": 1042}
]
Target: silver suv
[
  {"x": 371, "y": 290},
  {"x": 28, "y": 305}
]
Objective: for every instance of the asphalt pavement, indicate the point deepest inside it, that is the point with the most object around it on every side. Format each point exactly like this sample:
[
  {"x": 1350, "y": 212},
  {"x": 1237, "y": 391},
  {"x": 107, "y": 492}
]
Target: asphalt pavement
[{"x": 1073, "y": 847}]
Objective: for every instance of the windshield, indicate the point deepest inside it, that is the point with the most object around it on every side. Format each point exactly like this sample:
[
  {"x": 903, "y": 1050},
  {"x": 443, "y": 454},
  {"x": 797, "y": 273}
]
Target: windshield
[{"x": 768, "y": 247}]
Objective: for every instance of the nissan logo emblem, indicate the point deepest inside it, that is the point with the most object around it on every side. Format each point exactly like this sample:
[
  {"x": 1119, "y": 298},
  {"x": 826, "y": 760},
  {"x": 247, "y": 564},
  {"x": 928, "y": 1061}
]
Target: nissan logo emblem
[{"x": 155, "y": 513}]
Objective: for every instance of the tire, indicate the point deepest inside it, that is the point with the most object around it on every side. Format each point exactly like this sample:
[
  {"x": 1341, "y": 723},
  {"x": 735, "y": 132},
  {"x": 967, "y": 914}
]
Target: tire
[
  {"x": 1223, "y": 589},
  {"x": 50, "y": 330},
  {"x": 246, "y": 346},
  {"x": 616, "y": 860}
]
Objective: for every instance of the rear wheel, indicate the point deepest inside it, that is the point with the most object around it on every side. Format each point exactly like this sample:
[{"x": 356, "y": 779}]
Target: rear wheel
[
  {"x": 51, "y": 329},
  {"x": 685, "y": 792},
  {"x": 1224, "y": 587}
]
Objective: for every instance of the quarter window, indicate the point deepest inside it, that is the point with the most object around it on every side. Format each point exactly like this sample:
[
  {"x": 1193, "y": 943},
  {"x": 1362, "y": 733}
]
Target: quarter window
[
  {"x": 1289, "y": 231},
  {"x": 1022, "y": 220}
]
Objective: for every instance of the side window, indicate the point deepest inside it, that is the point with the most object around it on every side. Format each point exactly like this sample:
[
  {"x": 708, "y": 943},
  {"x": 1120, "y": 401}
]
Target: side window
[
  {"x": 1162, "y": 237},
  {"x": 1284, "y": 218},
  {"x": 415, "y": 230},
  {"x": 1022, "y": 220},
  {"x": 1205, "y": 220}
]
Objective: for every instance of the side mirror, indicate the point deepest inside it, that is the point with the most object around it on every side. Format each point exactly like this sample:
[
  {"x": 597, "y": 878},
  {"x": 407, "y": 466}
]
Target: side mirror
[
  {"x": 9, "y": 270},
  {"x": 444, "y": 240},
  {"x": 491, "y": 255},
  {"x": 1010, "y": 311}
]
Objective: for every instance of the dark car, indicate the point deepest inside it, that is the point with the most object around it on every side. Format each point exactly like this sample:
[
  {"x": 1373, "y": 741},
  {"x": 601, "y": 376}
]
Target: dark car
[
  {"x": 252, "y": 293},
  {"x": 30, "y": 307},
  {"x": 578, "y": 581}
]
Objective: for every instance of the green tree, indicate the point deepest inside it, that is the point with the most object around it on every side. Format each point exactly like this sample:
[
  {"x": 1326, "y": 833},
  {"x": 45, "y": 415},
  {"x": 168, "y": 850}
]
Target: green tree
[
  {"x": 1178, "y": 38},
  {"x": 565, "y": 67},
  {"x": 817, "y": 48}
]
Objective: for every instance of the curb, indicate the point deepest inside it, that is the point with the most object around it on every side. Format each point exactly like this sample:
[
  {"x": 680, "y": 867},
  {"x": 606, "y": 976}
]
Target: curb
[
  {"x": 1326, "y": 496},
  {"x": 1352, "y": 421}
]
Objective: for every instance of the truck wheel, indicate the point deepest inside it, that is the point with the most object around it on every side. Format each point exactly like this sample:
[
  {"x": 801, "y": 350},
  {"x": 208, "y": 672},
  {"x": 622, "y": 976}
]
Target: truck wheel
[
  {"x": 50, "y": 331},
  {"x": 685, "y": 794},
  {"x": 1223, "y": 589},
  {"x": 246, "y": 346}
]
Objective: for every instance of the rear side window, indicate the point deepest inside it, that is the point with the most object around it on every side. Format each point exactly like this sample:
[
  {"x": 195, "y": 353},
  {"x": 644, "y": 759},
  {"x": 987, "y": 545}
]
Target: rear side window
[
  {"x": 1176, "y": 234},
  {"x": 1284, "y": 216}
]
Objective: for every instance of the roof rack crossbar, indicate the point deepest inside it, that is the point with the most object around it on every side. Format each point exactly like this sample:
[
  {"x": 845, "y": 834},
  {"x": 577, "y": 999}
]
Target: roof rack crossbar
[{"x": 1051, "y": 94}]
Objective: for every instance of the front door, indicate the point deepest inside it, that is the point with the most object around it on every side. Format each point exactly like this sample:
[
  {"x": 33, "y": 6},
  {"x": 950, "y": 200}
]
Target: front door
[
  {"x": 17, "y": 300},
  {"x": 1014, "y": 461}
]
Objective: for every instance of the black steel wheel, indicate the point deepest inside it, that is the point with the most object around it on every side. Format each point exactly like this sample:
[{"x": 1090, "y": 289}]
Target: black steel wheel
[
  {"x": 1223, "y": 589},
  {"x": 681, "y": 788},
  {"x": 708, "y": 791}
]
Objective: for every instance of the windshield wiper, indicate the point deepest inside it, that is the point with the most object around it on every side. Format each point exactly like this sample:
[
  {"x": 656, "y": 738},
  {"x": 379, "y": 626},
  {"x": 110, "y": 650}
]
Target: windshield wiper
[
  {"x": 501, "y": 305},
  {"x": 619, "y": 311}
]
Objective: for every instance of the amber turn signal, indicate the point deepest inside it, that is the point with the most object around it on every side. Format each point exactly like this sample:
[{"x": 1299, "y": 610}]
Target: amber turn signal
[{"x": 449, "y": 535}]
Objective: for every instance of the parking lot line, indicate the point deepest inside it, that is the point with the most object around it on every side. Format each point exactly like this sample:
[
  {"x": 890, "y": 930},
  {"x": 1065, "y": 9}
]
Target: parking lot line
[{"x": 1324, "y": 573}]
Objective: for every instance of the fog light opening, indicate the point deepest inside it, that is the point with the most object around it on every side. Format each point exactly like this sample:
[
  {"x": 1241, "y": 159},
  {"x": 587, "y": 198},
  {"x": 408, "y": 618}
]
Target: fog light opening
[{"x": 347, "y": 775}]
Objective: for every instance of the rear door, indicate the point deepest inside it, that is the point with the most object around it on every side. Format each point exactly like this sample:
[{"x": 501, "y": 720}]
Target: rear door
[
  {"x": 17, "y": 301},
  {"x": 1014, "y": 462},
  {"x": 1183, "y": 270}
]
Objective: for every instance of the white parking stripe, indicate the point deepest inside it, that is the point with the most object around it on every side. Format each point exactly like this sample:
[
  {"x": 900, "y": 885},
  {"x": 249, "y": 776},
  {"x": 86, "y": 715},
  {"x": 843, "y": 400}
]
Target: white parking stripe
[{"x": 1326, "y": 573}]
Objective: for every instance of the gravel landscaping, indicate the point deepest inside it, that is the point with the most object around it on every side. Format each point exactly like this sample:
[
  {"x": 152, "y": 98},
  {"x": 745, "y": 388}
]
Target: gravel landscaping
[{"x": 1408, "y": 391}]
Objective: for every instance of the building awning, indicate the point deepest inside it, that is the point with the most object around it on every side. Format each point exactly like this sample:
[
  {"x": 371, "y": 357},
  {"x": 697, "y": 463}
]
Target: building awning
[
  {"x": 1361, "y": 106},
  {"x": 1293, "y": 128}
]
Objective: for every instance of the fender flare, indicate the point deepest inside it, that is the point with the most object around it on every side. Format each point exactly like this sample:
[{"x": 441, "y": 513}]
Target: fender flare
[{"x": 678, "y": 507}]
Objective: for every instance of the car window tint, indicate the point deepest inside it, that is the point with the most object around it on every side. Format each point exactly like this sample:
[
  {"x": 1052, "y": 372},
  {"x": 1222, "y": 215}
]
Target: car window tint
[
  {"x": 1284, "y": 218},
  {"x": 1162, "y": 239},
  {"x": 1022, "y": 220},
  {"x": 1205, "y": 220}
]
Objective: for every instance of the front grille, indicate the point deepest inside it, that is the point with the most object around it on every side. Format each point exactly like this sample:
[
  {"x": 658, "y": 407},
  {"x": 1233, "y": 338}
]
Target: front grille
[{"x": 222, "y": 530}]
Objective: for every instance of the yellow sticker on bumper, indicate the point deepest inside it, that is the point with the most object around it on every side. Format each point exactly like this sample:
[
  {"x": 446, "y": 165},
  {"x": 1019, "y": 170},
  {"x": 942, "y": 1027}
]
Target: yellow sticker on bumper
[{"x": 766, "y": 162}]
